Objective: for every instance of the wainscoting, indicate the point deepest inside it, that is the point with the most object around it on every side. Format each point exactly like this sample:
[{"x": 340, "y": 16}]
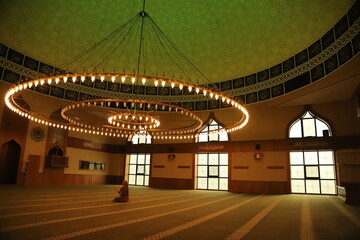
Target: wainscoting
[
  {"x": 171, "y": 183},
  {"x": 271, "y": 187},
  {"x": 57, "y": 176}
]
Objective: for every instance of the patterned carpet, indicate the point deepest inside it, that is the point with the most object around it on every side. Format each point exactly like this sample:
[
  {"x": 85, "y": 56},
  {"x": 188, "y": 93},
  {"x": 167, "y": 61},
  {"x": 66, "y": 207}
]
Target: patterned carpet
[{"x": 87, "y": 212}]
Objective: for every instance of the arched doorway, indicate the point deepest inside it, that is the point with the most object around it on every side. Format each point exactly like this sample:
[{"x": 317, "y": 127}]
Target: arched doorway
[{"x": 9, "y": 162}]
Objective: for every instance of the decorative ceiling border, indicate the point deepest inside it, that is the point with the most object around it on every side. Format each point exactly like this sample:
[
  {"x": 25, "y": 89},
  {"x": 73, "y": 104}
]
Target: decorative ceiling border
[
  {"x": 305, "y": 67},
  {"x": 336, "y": 47}
]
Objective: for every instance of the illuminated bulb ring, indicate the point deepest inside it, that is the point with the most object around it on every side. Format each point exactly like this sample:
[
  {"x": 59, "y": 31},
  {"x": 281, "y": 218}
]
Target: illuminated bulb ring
[
  {"x": 104, "y": 102},
  {"x": 140, "y": 121},
  {"x": 113, "y": 77}
]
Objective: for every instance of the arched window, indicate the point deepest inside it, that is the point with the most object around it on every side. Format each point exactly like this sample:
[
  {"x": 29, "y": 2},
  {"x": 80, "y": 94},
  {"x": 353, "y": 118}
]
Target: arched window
[
  {"x": 141, "y": 138},
  {"x": 311, "y": 171},
  {"x": 212, "y": 168},
  {"x": 309, "y": 126},
  {"x": 213, "y": 137},
  {"x": 139, "y": 163}
]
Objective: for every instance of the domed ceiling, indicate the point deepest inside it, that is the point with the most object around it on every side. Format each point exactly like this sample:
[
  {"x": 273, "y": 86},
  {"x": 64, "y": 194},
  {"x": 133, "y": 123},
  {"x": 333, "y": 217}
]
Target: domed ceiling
[{"x": 224, "y": 39}]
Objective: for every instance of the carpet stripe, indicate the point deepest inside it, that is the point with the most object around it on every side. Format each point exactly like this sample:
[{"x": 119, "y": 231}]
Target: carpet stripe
[
  {"x": 68, "y": 209},
  {"x": 195, "y": 222},
  {"x": 345, "y": 212},
  {"x": 306, "y": 228},
  {"x": 248, "y": 226},
  {"x": 85, "y": 195},
  {"x": 137, "y": 220},
  {"x": 102, "y": 198},
  {"x": 36, "y": 224}
]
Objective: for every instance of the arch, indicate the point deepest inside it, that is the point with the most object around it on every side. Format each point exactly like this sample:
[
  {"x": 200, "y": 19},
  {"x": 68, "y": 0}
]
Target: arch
[
  {"x": 309, "y": 124},
  {"x": 56, "y": 151},
  {"x": 140, "y": 138},
  {"x": 9, "y": 162},
  {"x": 212, "y": 122}
]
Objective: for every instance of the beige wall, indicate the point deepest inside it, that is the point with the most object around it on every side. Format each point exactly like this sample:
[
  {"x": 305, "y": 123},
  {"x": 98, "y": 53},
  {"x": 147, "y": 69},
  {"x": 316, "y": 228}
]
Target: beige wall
[
  {"x": 171, "y": 169},
  {"x": 35, "y": 148},
  {"x": 114, "y": 162},
  {"x": 258, "y": 170}
]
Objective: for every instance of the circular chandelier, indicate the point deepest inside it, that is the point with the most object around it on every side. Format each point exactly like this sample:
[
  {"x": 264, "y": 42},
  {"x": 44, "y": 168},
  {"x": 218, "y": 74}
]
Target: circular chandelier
[{"x": 125, "y": 116}]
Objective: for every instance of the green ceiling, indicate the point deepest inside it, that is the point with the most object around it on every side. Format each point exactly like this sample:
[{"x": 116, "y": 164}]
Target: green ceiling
[{"x": 225, "y": 39}]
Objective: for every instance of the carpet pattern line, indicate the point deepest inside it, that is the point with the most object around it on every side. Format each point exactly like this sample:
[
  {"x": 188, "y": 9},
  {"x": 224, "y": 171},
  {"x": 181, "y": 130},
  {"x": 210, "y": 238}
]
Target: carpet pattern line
[
  {"x": 195, "y": 222},
  {"x": 36, "y": 224},
  {"x": 248, "y": 226},
  {"x": 137, "y": 220},
  {"x": 306, "y": 227}
]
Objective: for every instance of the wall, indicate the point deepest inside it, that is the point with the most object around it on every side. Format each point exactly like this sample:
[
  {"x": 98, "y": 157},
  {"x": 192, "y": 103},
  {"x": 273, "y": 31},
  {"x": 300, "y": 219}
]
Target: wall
[
  {"x": 114, "y": 162},
  {"x": 172, "y": 174}
]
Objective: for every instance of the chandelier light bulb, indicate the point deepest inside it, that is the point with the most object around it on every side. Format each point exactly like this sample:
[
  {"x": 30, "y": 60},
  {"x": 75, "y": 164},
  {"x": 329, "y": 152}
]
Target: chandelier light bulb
[
  {"x": 143, "y": 81},
  {"x": 181, "y": 86},
  {"x": 65, "y": 79},
  {"x": 172, "y": 85},
  {"x": 204, "y": 92},
  {"x": 93, "y": 78},
  {"x": 113, "y": 78},
  {"x": 82, "y": 78},
  {"x": 102, "y": 78},
  {"x": 190, "y": 88},
  {"x": 163, "y": 83},
  {"x": 123, "y": 79},
  {"x": 74, "y": 79},
  {"x": 133, "y": 80},
  {"x": 156, "y": 82}
]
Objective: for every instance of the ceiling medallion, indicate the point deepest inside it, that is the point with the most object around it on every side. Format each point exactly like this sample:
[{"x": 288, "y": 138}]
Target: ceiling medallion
[{"x": 135, "y": 114}]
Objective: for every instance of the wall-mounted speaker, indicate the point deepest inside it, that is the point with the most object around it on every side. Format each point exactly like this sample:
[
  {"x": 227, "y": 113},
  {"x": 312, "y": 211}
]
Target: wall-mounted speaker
[{"x": 325, "y": 133}]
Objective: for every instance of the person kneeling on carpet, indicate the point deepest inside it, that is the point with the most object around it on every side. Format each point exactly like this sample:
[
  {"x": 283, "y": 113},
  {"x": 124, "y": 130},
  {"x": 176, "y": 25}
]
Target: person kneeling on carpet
[{"x": 123, "y": 191}]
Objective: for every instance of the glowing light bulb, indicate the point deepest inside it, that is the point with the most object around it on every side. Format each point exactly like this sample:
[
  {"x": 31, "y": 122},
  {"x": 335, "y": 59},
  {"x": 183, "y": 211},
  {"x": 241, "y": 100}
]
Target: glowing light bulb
[
  {"x": 181, "y": 86},
  {"x": 163, "y": 83},
  {"x": 156, "y": 83},
  {"x": 143, "y": 81},
  {"x": 82, "y": 78},
  {"x": 102, "y": 78},
  {"x": 74, "y": 79},
  {"x": 197, "y": 90},
  {"x": 204, "y": 92},
  {"x": 42, "y": 82},
  {"x": 57, "y": 80},
  {"x": 92, "y": 78},
  {"x": 216, "y": 96},
  {"x": 190, "y": 88},
  {"x": 172, "y": 85},
  {"x": 133, "y": 80},
  {"x": 65, "y": 79},
  {"x": 123, "y": 79},
  {"x": 211, "y": 95}
]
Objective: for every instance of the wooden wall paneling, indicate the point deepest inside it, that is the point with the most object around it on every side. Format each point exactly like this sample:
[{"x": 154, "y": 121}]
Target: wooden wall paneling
[
  {"x": 32, "y": 171},
  {"x": 245, "y": 146},
  {"x": 172, "y": 183},
  {"x": 269, "y": 187},
  {"x": 14, "y": 127}
]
